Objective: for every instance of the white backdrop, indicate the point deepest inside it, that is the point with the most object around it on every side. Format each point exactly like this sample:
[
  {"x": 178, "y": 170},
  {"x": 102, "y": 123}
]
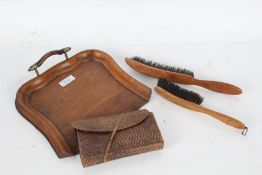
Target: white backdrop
[{"x": 218, "y": 40}]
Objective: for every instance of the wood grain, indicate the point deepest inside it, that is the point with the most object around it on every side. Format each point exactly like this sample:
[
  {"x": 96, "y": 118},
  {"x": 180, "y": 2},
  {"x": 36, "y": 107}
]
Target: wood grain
[
  {"x": 100, "y": 88},
  {"x": 215, "y": 86},
  {"x": 195, "y": 107}
]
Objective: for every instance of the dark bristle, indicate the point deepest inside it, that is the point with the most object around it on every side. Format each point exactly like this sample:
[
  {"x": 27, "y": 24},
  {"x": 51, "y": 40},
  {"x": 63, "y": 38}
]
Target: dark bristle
[
  {"x": 162, "y": 66},
  {"x": 180, "y": 92}
]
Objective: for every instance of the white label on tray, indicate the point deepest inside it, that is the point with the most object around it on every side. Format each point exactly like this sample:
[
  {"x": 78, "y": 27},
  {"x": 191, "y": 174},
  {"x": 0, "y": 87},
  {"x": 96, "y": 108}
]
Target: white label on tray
[{"x": 67, "y": 80}]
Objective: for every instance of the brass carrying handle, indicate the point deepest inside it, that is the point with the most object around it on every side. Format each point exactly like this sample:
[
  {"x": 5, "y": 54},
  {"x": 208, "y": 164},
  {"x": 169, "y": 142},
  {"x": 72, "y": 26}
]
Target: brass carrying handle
[{"x": 47, "y": 55}]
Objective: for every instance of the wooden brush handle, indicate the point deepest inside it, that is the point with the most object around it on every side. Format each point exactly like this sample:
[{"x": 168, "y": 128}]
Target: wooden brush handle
[
  {"x": 222, "y": 117},
  {"x": 195, "y": 107},
  {"x": 220, "y": 87}
]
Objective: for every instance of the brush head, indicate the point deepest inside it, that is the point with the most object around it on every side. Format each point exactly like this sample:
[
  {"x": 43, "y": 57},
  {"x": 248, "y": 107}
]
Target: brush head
[
  {"x": 179, "y": 91},
  {"x": 163, "y": 67}
]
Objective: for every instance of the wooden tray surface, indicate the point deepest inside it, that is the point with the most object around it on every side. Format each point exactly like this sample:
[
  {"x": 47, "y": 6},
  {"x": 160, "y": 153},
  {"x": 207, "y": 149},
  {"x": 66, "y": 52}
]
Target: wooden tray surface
[{"x": 100, "y": 88}]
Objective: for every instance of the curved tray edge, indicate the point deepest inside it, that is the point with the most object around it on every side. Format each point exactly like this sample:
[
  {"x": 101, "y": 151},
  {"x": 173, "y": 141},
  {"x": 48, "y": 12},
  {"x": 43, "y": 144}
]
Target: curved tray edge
[
  {"x": 119, "y": 74},
  {"x": 52, "y": 134}
]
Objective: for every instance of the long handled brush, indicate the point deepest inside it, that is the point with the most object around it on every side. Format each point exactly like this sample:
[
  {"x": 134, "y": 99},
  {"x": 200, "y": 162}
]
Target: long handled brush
[
  {"x": 191, "y": 100},
  {"x": 179, "y": 75}
]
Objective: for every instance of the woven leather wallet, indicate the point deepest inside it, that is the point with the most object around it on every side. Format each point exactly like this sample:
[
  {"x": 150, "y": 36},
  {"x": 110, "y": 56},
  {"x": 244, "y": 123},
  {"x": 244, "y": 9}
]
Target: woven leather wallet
[{"x": 111, "y": 137}]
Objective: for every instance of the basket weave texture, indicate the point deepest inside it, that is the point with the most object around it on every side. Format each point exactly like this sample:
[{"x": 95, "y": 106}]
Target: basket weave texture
[{"x": 125, "y": 134}]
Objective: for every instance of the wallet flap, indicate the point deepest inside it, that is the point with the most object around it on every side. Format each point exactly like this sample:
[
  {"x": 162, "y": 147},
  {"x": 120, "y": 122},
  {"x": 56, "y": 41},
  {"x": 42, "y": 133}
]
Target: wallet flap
[{"x": 108, "y": 123}]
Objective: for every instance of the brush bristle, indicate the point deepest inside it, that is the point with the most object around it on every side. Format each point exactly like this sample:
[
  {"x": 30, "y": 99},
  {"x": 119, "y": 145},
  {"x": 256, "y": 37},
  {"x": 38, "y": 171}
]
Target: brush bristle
[
  {"x": 162, "y": 66},
  {"x": 180, "y": 92}
]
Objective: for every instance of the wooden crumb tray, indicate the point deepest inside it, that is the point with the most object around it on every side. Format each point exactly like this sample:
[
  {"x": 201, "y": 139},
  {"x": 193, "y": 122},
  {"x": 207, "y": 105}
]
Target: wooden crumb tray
[{"x": 87, "y": 85}]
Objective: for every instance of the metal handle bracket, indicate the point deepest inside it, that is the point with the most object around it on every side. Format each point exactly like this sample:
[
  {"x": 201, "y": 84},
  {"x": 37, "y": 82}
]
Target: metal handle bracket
[{"x": 47, "y": 55}]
